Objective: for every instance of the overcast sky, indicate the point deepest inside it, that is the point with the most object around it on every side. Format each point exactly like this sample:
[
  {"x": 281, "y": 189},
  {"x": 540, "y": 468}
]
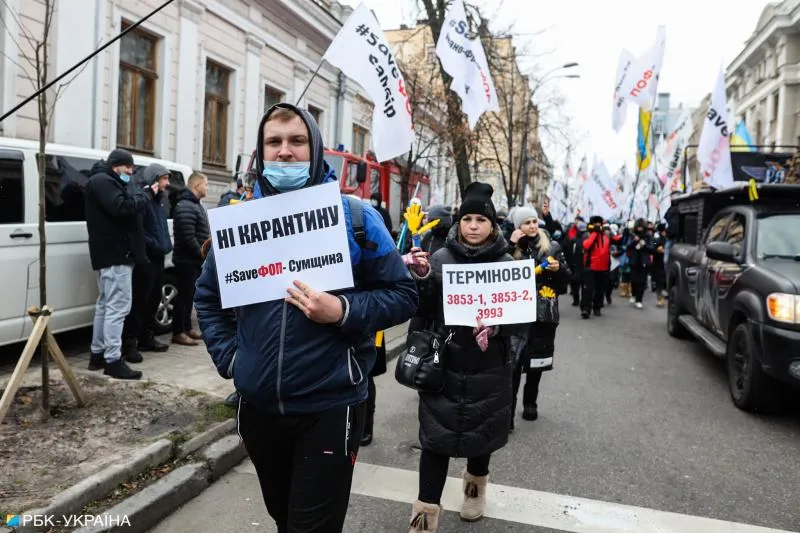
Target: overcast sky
[{"x": 701, "y": 34}]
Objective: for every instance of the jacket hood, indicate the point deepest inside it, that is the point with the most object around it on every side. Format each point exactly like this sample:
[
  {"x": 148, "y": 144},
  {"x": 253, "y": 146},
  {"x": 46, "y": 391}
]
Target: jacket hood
[
  {"x": 186, "y": 194},
  {"x": 319, "y": 169},
  {"x": 487, "y": 252},
  {"x": 152, "y": 172}
]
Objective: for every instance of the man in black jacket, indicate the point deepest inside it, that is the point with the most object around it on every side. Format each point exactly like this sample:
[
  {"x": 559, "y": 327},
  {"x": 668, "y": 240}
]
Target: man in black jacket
[
  {"x": 190, "y": 230},
  {"x": 147, "y": 276},
  {"x": 116, "y": 244}
]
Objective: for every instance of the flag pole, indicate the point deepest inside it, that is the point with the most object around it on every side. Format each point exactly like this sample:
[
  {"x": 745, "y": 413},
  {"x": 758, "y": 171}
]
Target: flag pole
[{"x": 314, "y": 75}]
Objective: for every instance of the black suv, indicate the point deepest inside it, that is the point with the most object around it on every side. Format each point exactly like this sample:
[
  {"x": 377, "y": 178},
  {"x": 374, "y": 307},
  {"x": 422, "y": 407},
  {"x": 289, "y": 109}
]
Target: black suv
[{"x": 734, "y": 284}]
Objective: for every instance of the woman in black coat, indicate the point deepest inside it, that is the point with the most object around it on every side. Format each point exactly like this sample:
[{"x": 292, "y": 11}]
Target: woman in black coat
[
  {"x": 534, "y": 351},
  {"x": 471, "y": 417},
  {"x": 640, "y": 257}
]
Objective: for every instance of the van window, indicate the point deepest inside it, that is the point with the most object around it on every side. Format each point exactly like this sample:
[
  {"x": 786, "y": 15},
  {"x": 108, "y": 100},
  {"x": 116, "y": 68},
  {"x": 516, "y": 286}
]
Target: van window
[
  {"x": 65, "y": 182},
  {"x": 12, "y": 199}
]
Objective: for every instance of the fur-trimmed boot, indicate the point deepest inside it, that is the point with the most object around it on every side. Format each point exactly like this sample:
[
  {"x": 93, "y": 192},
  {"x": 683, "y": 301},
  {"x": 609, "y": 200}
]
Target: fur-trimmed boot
[
  {"x": 661, "y": 300},
  {"x": 474, "y": 497},
  {"x": 424, "y": 517}
]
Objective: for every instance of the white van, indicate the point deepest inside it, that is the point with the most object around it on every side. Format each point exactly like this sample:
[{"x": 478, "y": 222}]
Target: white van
[{"x": 71, "y": 283}]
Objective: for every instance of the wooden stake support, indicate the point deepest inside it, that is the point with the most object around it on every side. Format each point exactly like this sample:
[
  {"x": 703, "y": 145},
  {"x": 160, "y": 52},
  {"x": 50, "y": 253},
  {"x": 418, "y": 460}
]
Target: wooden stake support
[{"x": 41, "y": 319}]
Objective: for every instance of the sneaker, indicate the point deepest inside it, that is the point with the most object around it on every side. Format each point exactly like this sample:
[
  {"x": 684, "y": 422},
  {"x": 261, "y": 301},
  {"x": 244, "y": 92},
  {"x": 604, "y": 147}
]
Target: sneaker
[
  {"x": 97, "y": 361},
  {"x": 585, "y": 315},
  {"x": 632, "y": 300},
  {"x": 120, "y": 370},
  {"x": 639, "y": 305},
  {"x": 598, "y": 312}
]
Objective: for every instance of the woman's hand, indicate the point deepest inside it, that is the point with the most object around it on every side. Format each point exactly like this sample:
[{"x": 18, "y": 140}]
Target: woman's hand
[
  {"x": 516, "y": 236},
  {"x": 417, "y": 260}
]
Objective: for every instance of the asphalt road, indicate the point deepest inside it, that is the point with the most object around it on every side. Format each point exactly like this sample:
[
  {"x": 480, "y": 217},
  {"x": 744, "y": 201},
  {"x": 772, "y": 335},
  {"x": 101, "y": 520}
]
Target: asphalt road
[{"x": 628, "y": 417}]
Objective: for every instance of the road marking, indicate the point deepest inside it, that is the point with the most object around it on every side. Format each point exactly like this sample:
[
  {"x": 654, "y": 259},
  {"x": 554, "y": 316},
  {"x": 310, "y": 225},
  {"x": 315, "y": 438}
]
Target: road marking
[{"x": 536, "y": 508}]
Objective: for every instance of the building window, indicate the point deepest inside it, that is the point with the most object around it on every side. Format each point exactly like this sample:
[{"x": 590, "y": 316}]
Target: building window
[
  {"x": 359, "y": 140},
  {"x": 316, "y": 113},
  {"x": 431, "y": 54},
  {"x": 215, "y": 129},
  {"x": 272, "y": 97},
  {"x": 138, "y": 73}
]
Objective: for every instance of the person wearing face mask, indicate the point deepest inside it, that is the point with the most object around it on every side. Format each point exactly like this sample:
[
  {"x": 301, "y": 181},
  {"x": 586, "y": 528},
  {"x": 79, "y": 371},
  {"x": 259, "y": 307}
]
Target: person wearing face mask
[
  {"x": 376, "y": 201},
  {"x": 535, "y": 349},
  {"x": 301, "y": 364},
  {"x": 640, "y": 254},
  {"x": 116, "y": 244},
  {"x": 471, "y": 417}
]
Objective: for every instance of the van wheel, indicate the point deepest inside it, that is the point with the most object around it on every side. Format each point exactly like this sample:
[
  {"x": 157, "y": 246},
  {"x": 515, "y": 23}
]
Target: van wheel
[
  {"x": 163, "y": 319},
  {"x": 750, "y": 387},
  {"x": 674, "y": 327}
]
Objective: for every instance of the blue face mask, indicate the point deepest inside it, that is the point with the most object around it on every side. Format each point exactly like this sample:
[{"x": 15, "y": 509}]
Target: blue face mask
[
  {"x": 287, "y": 176},
  {"x": 125, "y": 177}
]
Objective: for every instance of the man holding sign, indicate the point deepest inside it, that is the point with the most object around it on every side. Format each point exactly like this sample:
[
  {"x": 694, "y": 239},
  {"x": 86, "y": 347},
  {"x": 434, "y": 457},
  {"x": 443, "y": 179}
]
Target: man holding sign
[{"x": 300, "y": 361}]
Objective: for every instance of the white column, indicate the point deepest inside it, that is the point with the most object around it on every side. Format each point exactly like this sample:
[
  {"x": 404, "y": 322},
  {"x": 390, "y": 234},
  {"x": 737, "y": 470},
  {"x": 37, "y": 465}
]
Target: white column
[
  {"x": 780, "y": 134},
  {"x": 346, "y": 133},
  {"x": 252, "y": 92},
  {"x": 8, "y": 70},
  {"x": 301, "y": 75},
  {"x": 188, "y": 66}
]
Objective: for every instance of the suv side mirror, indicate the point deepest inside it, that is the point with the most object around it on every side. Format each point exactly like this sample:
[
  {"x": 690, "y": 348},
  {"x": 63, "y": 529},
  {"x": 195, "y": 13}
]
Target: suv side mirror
[
  {"x": 361, "y": 172},
  {"x": 721, "y": 251}
]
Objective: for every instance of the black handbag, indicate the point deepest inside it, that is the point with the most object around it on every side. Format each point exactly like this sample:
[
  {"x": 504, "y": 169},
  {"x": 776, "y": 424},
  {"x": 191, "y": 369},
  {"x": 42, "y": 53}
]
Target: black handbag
[{"x": 421, "y": 367}]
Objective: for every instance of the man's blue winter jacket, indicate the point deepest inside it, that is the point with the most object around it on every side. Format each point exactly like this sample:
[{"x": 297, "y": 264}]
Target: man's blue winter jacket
[{"x": 281, "y": 361}]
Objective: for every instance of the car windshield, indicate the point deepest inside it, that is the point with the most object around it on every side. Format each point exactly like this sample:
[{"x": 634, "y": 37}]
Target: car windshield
[
  {"x": 337, "y": 163},
  {"x": 778, "y": 236}
]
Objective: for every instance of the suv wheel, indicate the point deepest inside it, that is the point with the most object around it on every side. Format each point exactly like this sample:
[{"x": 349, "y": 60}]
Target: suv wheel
[
  {"x": 163, "y": 319},
  {"x": 750, "y": 387},
  {"x": 674, "y": 327}
]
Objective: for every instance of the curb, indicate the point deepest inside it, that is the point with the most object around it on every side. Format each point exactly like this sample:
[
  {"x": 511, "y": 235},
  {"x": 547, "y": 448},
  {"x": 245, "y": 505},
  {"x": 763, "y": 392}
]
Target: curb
[
  {"x": 395, "y": 348},
  {"x": 145, "y": 509},
  {"x": 223, "y": 455},
  {"x": 72, "y": 500}
]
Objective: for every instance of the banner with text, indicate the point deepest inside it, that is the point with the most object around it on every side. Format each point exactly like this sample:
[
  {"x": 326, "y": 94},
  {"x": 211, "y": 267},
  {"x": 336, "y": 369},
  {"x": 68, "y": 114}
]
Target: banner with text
[
  {"x": 261, "y": 247},
  {"x": 494, "y": 293},
  {"x": 361, "y": 52},
  {"x": 714, "y": 150},
  {"x": 465, "y": 60}
]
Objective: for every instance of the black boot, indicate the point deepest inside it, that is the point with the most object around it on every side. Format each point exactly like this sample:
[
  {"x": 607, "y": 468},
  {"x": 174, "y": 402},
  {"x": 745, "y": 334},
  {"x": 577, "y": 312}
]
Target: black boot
[
  {"x": 97, "y": 361},
  {"x": 120, "y": 370},
  {"x": 130, "y": 352},
  {"x": 148, "y": 343}
]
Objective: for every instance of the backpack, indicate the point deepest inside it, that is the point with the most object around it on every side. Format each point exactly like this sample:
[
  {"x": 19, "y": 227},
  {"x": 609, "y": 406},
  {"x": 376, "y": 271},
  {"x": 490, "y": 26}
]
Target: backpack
[{"x": 357, "y": 220}]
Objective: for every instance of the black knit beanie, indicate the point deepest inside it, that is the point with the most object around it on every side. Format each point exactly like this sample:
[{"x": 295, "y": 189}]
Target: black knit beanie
[
  {"x": 478, "y": 201},
  {"x": 119, "y": 157}
]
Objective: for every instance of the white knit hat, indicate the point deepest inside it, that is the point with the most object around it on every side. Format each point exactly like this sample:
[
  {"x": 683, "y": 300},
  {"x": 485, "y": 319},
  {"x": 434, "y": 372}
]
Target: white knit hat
[{"x": 522, "y": 214}]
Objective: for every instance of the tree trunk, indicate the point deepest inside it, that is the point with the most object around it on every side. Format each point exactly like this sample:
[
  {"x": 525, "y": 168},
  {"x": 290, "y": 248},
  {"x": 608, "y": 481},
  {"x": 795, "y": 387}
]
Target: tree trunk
[
  {"x": 455, "y": 116},
  {"x": 405, "y": 180},
  {"x": 41, "y": 68}
]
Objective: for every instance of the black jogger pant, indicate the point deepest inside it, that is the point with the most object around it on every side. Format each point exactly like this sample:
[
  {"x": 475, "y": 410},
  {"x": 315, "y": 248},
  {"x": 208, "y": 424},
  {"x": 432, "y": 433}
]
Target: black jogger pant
[
  {"x": 433, "y": 473},
  {"x": 304, "y": 464},
  {"x": 531, "y": 391},
  {"x": 186, "y": 274},
  {"x": 639, "y": 286},
  {"x": 594, "y": 287},
  {"x": 575, "y": 291},
  {"x": 140, "y": 317}
]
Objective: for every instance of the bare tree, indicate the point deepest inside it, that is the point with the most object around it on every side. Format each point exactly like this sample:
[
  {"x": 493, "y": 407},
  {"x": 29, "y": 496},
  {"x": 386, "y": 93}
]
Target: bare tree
[{"x": 36, "y": 55}]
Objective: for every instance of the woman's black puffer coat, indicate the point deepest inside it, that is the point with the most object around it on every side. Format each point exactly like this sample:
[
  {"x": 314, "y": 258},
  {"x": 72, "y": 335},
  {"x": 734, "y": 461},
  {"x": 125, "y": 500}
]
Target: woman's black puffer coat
[
  {"x": 472, "y": 416},
  {"x": 549, "y": 284}
]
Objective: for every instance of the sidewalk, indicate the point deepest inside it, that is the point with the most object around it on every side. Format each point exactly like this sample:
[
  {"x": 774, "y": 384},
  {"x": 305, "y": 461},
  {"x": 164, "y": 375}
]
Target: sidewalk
[{"x": 190, "y": 367}]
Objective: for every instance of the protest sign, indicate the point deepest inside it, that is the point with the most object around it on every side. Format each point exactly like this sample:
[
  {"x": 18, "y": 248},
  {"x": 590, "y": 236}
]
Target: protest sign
[
  {"x": 494, "y": 293},
  {"x": 262, "y": 246},
  {"x": 361, "y": 52}
]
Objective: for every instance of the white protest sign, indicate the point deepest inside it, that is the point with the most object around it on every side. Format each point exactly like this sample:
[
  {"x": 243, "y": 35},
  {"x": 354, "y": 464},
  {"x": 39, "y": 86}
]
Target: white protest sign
[
  {"x": 465, "y": 60},
  {"x": 494, "y": 293},
  {"x": 361, "y": 52},
  {"x": 262, "y": 246}
]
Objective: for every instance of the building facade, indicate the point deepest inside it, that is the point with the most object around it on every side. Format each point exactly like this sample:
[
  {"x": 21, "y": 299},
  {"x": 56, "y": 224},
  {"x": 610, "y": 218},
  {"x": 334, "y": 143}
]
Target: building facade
[
  {"x": 763, "y": 81},
  {"x": 190, "y": 84}
]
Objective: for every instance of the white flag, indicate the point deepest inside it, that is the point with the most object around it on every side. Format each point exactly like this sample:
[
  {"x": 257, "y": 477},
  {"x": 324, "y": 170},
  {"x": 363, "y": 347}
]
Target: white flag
[
  {"x": 669, "y": 157},
  {"x": 714, "y": 150},
  {"x": 601, "y": 190},
  {"x": 361, "y": 52},
  {"x": 465, "y": 60},
  {"x": 637, "y": 79}
]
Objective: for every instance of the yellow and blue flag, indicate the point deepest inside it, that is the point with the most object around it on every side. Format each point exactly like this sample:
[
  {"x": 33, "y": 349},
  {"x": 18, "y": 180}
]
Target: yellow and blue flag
[
  {"x": 644, "y": 151},
  {"x": 741, "y": 140}
]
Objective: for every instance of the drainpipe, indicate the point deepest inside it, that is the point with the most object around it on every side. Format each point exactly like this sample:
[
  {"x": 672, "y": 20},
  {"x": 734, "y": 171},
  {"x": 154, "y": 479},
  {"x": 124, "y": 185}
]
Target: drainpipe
[
  {"x": 96, "y": 82},
  {"x": 338, "y": 112}
]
